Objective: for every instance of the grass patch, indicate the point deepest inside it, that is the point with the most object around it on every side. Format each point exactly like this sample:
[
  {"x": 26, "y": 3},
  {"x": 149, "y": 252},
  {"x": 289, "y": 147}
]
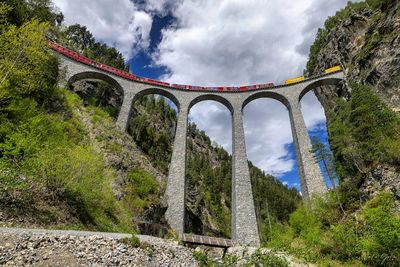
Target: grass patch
[
  {"x": 133, "y": 241},
  {"x": 141, "y": 190}
]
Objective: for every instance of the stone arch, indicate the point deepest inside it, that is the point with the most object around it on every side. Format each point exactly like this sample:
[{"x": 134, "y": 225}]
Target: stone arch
[
  {"x": 87, "y": 75},
  {"x": 158, "y": 91},
  {"x": 212, "y": 97},
  {"x": 115, "y": 93},
  {"x": 318, "y": 83},
  {"x": 267, "y": 94}
]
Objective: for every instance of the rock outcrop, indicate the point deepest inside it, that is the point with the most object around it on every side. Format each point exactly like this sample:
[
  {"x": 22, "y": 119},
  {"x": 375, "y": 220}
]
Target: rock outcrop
[
  {"x": 365, "y": 41},
  {"x": 367, "y": 45}
]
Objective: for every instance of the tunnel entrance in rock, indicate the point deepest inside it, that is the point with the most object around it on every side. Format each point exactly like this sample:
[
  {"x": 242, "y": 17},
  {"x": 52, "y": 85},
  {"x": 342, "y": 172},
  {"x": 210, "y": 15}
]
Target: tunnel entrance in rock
[{"x": 209, "y": 170}]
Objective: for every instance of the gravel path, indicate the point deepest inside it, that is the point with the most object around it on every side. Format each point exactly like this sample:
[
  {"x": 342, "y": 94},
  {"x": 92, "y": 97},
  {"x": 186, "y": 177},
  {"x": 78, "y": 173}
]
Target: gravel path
[{"x": 31, "y": 247}]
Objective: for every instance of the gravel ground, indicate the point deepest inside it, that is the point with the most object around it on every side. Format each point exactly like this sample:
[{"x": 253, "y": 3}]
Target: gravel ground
[
  {"x": 65, "y": 248},
  {"x": 36, "y": 247}
]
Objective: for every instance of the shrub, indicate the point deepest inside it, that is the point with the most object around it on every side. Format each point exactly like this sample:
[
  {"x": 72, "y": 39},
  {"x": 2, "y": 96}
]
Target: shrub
[
  {"x": 133, "y": 241},
  {"x": 267, "y": 259},
  {"x": 381, "y": 237},
  {"x": 203, "y": 259},
  {"x": 141, "y": 189},
  {"x": 345, "y": 240}
]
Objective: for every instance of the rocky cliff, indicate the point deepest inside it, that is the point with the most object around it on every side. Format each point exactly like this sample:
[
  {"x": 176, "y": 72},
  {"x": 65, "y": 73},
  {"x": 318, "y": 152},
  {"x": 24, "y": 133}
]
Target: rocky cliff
[
  {"x": 365, "y": 41},
  {"x": 364, "y": 38}
]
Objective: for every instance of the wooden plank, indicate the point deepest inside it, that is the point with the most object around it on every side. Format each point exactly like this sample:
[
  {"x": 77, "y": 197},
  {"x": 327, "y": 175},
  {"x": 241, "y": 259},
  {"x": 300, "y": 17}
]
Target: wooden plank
[{"x": 207, "y": 240}]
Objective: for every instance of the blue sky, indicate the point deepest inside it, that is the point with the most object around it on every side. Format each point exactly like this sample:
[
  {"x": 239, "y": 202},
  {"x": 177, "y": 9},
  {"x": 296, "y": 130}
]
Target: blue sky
[{"x": 226, "y": 42}]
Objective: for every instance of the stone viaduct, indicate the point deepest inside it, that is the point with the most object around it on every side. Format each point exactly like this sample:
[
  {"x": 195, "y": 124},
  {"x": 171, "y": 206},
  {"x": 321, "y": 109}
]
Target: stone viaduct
[{"x": 244, "y": 224}]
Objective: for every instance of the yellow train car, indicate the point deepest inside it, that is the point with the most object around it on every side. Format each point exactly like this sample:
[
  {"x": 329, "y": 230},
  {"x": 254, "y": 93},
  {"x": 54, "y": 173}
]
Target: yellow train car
[
  {"x": 333, "y": 69},
  {"x": 295, "y": 80}
]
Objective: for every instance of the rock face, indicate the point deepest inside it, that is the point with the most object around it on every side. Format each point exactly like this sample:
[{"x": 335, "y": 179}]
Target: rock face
[{"x": 366, "y": 43}]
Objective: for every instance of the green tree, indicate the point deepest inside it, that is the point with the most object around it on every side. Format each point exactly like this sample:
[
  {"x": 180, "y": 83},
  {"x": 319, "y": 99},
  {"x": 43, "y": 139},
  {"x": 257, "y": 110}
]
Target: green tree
[
  {"x": 27, "y": 69},
  {"x": 323, "y": 155},
  {"x": 80, "y": 36}
]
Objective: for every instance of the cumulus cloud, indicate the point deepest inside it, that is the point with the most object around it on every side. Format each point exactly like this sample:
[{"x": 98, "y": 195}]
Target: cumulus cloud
[
  {"x": 268, "y": 134},
  {"x": 312, "y": 111},
  {"x": 119, "y": 24},
  {"x": 216, "y": 119},
  {"x": 233, "y": 42}
]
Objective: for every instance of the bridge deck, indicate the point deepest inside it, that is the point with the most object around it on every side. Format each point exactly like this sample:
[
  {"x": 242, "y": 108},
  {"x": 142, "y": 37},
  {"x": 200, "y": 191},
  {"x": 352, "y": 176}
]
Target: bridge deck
[{"x": 207, "y": 241}]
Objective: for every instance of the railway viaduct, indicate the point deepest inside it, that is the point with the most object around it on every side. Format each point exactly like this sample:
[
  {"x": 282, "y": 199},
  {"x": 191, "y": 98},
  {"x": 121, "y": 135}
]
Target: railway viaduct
[{"x": 244, "y": 224}]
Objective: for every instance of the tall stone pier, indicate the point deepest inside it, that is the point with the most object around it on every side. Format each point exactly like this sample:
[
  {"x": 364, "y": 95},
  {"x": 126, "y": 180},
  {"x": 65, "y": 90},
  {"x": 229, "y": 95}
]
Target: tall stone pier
[{"x": 244, "y": 223}]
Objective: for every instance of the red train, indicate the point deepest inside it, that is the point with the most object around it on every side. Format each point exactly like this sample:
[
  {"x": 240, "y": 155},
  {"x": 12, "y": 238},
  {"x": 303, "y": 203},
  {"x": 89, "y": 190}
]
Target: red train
[{"x": 78, "y": 57}]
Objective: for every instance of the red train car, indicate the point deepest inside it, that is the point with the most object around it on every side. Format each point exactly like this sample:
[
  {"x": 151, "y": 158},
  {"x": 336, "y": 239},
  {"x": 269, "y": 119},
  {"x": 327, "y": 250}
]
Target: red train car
[{"x": 78, "y": 57}]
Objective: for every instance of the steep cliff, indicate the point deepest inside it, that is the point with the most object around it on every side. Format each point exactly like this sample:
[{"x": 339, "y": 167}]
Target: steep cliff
[{"x": 364, "y": 38}]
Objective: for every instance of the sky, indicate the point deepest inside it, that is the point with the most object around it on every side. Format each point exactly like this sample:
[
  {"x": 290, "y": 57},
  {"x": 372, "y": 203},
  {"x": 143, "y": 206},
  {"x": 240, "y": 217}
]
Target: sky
[{"x": 226, "y": 42}]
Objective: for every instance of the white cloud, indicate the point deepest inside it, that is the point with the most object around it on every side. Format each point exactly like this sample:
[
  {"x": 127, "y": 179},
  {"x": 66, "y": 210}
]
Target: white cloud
[
  {"x": 160, "y": 7},
  {"x": 216, "y": 120},
  {"x": 233, "y": 42},
  {"x": 312, "y": 110},
  {"x": 268, "y": 133},
  {"x": 117, "y": 23}
]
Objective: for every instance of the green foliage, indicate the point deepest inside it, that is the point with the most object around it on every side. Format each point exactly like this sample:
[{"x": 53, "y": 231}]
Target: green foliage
[
  {"x": 79, "y": 38},
  {"x": 27, "y": 69},
  {"x": 203, "y": 259},
  {"x": 316, "y": 47},
  {"x": 331, "y": 22},
  {"x": 133, "y": 241},
  {"x": 364, "y": 133},
  {"x": 324, "y": 155},
  {"x": 141, "y": 190},
  {"x": 374, "y": 4},
  {"x": 42, "y": 144},
  {"x": 155, "y": 138},
  {"x": 343, "y": 14},
  {"x": 258, "y": 258},
  {"x": 230, "y": 260},
  {"x": 202, "y": 172},
  {"x": 266, "y": 259},
  {"x": 318, "y": 232},
  {"x": 23, "y": 11},
  {"x": 273, "y": 201}
]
